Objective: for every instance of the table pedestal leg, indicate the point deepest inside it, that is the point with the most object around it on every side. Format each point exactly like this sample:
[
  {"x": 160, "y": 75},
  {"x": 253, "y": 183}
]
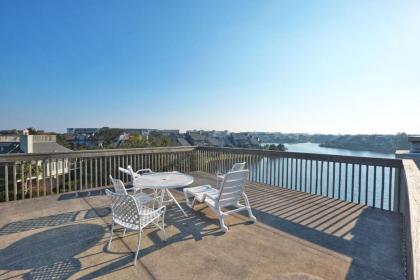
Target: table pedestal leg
[
  {"x": 162, "y": 194},
  {"x": 176, "y": 202},
  {"x": 172, "y": 198}
]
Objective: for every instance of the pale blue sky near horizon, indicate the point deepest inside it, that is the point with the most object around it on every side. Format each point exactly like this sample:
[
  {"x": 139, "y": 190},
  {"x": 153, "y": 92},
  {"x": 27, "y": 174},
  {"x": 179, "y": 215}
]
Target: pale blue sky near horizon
[{"x": 289, "y": 66}]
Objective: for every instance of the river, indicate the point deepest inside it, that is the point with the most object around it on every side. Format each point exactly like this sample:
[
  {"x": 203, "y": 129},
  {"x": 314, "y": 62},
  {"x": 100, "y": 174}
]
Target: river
[{"x": 316, "y": 149}]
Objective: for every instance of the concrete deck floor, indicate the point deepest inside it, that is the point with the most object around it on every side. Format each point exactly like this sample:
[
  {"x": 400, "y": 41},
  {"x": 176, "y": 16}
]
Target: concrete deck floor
[{"x": 297, "y": 236}]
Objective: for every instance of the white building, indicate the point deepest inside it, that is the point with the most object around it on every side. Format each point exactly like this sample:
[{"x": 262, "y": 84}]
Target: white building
[{"x": 37, "y": 144}]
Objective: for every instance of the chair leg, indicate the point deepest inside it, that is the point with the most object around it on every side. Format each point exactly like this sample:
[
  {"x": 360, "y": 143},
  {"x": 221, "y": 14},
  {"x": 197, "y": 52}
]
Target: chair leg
[
  {"x": 163, "y": 227},
  {"x": 125, "y": 229},
  {"x": 248, "y": 207},
  {"x": 187, "y": 200},
  {"x": 222, "y": 222},
  {"x": 138, "y": 247},
  {"x": 110, "y": 239}
]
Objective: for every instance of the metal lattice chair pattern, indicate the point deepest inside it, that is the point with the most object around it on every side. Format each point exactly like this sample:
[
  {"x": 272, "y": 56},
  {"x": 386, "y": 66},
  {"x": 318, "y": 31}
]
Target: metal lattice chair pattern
[
  {"x": 230, "y": 193},
  {"x": 120, "y": 188},
  {"x": 130, "y": 214}
]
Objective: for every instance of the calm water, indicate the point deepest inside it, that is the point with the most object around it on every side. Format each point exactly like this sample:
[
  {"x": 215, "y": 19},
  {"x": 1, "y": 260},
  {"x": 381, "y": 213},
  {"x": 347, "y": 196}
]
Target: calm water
[
  {"x": 364, "y": 178},
  {"x": 316, "y": 149}
]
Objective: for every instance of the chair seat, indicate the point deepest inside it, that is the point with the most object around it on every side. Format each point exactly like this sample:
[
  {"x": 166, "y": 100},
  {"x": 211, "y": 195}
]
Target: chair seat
[
  {"x": 198, "y": 192},
  {"x": 147, "y": 215},
  {"x": 143, "y": 198}
]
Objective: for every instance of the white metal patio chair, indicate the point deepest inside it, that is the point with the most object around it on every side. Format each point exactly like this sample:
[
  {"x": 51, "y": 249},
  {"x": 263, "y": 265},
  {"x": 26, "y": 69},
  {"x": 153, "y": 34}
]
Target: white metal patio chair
[
  {"x": 130, "y": 172},
  {"x": 230, "y": 193},
  {"x": 130, "y": 214},
  {"x": 120, "y": 188},
  {"x": 135, "y": 182},
  {"x": 140, "y": 171},
  {"x": 135, "y": 175},
  {"x": 235, "y": 167}
]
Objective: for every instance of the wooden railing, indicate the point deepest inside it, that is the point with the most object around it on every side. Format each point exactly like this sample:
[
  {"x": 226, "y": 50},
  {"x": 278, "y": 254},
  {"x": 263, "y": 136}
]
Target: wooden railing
[
  {"x": 25, "y": 176},
  {"x": 410, "y": 196},
  {"x": 374, "y": 182}
]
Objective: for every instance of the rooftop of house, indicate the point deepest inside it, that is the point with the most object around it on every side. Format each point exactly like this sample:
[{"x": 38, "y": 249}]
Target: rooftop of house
[
  {"x": 49, "y": 147},
  {"x": 183, "y": 142},
  {"x": 32, "y": 143},
  {"x": 197, "y": 136}
]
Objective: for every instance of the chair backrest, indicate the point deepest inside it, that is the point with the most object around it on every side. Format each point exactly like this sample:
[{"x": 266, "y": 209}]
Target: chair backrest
[
  {"x": 118, "y": 186},
  {"x": 139, "y": 172},
  {"x": 232, "y": 188},
  {"x": 134, "y": 178},
  {"x": 125, "y": 210},
  {"x": 131, "y": 172},
  {"x": 123, "y": 170},
  {"x": 238, "y": 166}
]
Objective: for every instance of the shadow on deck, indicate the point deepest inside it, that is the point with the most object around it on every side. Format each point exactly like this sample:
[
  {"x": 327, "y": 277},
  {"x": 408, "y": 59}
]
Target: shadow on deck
[{"x": 298, "y": 236}]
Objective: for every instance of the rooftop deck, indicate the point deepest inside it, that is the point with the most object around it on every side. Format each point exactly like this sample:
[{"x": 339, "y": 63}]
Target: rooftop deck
[{"x": 298, "y": 236}]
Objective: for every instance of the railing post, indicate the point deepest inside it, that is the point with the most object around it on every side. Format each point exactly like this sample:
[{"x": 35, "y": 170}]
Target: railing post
[
  {"x": 6, "y": 182},
  {"x": 30, "y": 179},
  {"x": 22, "y": 178},
  {"x": 14, "y": 182},
  {"x": 37, "y": 166}
]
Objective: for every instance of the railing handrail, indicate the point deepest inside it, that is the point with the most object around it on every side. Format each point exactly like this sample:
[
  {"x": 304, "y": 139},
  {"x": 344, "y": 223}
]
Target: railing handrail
[
  {"x": 375, "y": 180},
  {"x": 410, "y": 201},
  {"x": 386, "y": 162},
  {"x": 5, "y": 158}
]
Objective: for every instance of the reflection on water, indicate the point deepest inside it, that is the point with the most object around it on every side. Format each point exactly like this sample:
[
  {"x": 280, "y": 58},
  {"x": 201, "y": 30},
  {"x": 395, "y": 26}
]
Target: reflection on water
[{"x": 316, "y": 149}]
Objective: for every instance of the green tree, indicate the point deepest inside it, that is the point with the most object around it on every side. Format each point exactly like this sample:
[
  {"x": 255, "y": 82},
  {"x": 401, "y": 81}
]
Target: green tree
[
  {"x": 32, "y": 131},
  {"x": 61, "y": 139},
  {"x": 274, "y": 147}
]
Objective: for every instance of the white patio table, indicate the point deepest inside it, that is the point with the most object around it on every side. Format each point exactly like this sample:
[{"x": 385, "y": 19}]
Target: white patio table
[{"x": 164, "y": 181}]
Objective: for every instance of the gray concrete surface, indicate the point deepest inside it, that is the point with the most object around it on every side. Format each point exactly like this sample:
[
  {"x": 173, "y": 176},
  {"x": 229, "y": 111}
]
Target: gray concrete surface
[{"x": 297, "y": 236}]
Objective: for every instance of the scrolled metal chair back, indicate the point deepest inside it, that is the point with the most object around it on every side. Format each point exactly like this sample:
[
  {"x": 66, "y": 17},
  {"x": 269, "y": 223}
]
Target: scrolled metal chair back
[
  {"x": 125, "y": 210},
  {"x": 118, "y": 186}
]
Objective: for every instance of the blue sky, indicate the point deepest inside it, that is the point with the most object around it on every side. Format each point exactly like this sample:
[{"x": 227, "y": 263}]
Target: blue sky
[{"x": 290, "y": 66}]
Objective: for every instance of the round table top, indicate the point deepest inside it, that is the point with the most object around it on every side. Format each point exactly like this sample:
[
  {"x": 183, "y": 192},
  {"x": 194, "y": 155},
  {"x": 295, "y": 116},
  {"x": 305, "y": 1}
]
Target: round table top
[{"x": 165, "y": 180}]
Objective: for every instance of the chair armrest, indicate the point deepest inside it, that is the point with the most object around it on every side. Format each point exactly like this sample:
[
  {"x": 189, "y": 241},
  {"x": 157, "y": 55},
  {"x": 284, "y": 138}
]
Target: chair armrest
[
  {"x": 205, "y": 195},
  {"x": 160, "y": 209},
  {"x": 130, "y": 189},
  {"x": 145, "y": 170}
]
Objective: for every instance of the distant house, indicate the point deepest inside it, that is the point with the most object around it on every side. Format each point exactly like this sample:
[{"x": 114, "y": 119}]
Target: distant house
[
  {"x": 182, "y": 142},
  {"x": 9, "y": 144},
  {"x": 82, "y": 130},
  {"x": 240, "y": 140},
  {"x": 245, "y": 140},
  {"x": 213, "y": 141},
  {"x": 121, "y": 139},
  {"x": 30, "y": 144},
  {"x": 222, "y": 137},
  {"x": 196, "y": 138},
  {"x": 83, "y": 136},
  {"x": 255, "y": 141}
]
